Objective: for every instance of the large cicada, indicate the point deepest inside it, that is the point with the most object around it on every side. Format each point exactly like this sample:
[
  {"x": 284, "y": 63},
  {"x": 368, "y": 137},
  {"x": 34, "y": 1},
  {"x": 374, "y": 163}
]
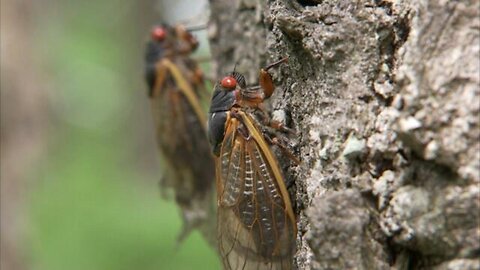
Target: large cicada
[
  {"x": 178, "y": 99},
  {"x": 256, "y": 225}
]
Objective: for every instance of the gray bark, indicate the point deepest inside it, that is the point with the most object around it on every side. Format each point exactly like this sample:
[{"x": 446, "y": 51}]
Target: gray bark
[{"x": 385, "y": 98}]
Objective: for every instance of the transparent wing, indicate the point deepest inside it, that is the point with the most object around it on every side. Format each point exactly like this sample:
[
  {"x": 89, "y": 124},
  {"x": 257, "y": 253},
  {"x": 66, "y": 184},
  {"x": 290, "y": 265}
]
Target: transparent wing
[
  {"x": 188, "y": 166},
  {"x": 255, "y": 229}
]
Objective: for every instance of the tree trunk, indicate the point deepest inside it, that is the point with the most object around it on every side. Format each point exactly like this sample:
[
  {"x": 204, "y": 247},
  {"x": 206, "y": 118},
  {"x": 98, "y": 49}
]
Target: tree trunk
[
  {"x": 385, "y": 97},
  {"x": 24, "y": 121}
]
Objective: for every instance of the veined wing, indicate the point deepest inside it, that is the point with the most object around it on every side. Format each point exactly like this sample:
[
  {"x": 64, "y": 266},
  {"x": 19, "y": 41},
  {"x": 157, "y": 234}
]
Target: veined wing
[
  {"x": 184, "y": 147},
  {"x": 180, "y": 119},
  {"x": 183, "y": 85},
  {"x": 256, "y": 224}
]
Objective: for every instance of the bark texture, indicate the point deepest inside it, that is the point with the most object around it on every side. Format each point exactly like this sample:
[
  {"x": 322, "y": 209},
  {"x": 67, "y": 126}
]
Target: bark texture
[{"x": 385, "y": 98}]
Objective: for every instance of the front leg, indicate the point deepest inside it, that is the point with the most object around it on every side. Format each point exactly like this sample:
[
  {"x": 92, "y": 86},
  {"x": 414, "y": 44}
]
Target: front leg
[
  {"x": 265, "y": 79},
  {"x": 266, "y": 120}
]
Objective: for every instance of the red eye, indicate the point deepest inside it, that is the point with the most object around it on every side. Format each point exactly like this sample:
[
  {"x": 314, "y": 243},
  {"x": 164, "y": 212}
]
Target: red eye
[
  {"x": 229, "y": 82},
  {"x": 158, "y": 33}
]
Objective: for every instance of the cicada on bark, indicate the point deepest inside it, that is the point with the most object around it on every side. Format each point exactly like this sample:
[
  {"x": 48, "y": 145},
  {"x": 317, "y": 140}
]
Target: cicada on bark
[
  {"x": 256, "y": 225},
  {"x": 178, "y": 97}
]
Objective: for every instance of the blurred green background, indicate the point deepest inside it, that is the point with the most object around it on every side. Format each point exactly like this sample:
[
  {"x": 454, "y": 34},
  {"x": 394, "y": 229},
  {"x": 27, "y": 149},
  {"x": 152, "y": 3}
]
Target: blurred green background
[{"x": 79, "y": 168}]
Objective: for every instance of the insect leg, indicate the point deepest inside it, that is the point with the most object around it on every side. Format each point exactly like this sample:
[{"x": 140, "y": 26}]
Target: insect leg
[
  {"x": 265, "y": 78},
  {"x": 279, "y": 126},
  {"x": 273, "y": 140},
  {"x": 266, "y": 120},
  {"x": 242, "y": 130},
  {"x": 274, "y": 64},
  {"x": 199, "y": 80},
  {"x": 197, "y": 76}
]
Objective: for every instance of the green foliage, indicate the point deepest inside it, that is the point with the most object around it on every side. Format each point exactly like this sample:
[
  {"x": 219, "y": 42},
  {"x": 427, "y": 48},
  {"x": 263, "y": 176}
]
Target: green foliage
[
  {"x": 90, "y": 212},
  {"x": 93, "y": 203}
]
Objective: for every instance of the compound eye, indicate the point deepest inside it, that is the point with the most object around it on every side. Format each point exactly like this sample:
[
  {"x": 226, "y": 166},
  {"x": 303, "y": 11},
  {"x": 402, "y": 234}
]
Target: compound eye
[
  {"x": 229, "y": 82},
  {"x": 158, "y": 33}
]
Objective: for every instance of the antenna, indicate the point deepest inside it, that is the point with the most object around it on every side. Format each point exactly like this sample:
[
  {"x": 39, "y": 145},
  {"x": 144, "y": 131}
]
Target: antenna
[{"x": 235, "y": 66}]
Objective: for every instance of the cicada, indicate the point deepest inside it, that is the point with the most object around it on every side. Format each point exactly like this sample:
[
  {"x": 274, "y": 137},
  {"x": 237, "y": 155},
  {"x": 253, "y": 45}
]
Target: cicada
[
  {"x": 256, "y": 225},
  {"x": 178, "y": 97}
]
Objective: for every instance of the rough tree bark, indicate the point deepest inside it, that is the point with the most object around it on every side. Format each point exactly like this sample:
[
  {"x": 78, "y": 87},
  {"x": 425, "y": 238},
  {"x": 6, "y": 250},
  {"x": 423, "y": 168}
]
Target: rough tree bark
[{"x": 385, "y": 98}]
